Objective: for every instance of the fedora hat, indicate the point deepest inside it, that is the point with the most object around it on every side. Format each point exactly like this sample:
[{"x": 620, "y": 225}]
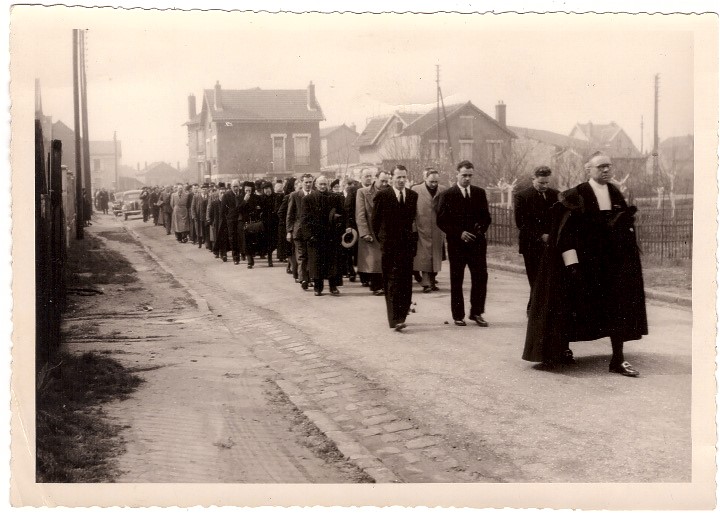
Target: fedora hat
[{"x": 349, "y": 239}]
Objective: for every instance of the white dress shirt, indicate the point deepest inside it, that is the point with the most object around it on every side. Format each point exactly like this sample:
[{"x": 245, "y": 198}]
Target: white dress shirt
[
  {"x": 465, "y": 191},
  {"x": 397, "y": 193}
]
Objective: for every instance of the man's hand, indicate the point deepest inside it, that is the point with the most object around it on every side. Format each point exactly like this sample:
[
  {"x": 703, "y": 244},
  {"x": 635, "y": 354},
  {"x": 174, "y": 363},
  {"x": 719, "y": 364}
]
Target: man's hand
[
  {"x": 367, "y": 238},
  {"x": 288, "y": 237},
  {"x": 247, "y": 196},
  {"x": 545, "y": 237},
  {"x": 348, "y": 230},
  {"x": 467, "y": 237}
]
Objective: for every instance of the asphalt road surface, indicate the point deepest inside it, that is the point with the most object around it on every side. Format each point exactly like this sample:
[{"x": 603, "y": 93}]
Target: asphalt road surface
[{"x": 467, "y": 387}]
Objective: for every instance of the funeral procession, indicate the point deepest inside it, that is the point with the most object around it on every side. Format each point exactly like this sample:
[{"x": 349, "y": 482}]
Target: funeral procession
[{"x": 348, "y": 256}]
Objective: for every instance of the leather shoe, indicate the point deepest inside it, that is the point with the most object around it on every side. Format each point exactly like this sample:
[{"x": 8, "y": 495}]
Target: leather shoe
[
  {"x": 459, "y": 322},
  {"x": 334, "y": 292},
  {"x": 304, "y": 285},
  {"x": 625, "y": 369},
  {"x": 352, "y": 279},
  {"x": 250, "y": 266},
  {"x": 318, "y": 293},
  {"x": 567, "y": 357},
  {"x": 426, "y": 289},
  {"x": 224, "y": 258},
  {"x": 479, "y": 320},
  {"x": 400, "y": 326},
  {"x": 236, "y": 262},
  {"x": 434, "y": 288},
  {"x": 379, "y": 292}
]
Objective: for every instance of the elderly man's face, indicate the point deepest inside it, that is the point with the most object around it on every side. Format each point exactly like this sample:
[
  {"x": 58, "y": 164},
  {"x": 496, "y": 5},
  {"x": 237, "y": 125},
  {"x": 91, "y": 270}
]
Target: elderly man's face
[
  {"x": 235, "y": 187},
  {"x": 382, "y": 180},
  {"x": 321, "y": 184},
  {"x": 601, "y": 169},
  {"x": 367, "y": 178}
]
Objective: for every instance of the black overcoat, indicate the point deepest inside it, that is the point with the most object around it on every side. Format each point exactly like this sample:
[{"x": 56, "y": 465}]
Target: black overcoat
[
  {"x": 606, "y": 297},
  {"x": 322, "y": 223}
]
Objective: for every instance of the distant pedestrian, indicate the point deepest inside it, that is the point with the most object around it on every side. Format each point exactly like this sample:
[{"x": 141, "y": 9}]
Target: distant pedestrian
[
  {"x": 145, "y": 203},
  {"x": 431, "y": 239},
  {"x": 369, "y": 249},
  {"x": 166, "y": 208},
  {"x": 532, "y": 217},
  {"x": 463, "y": 214},
  {"x": 294, "y": 235}
]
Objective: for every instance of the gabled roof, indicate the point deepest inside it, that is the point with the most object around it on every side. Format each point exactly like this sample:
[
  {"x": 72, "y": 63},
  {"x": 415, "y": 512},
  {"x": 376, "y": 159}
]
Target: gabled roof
[
  {"x": 261, "y": 105},
  {"x": 377, "y": 125},
  {"x": 324, "y": 132},
  {"x": 601, "y": 137},
  {"x": 551, "y": 138},
  {"x": 428, "y": 121}
]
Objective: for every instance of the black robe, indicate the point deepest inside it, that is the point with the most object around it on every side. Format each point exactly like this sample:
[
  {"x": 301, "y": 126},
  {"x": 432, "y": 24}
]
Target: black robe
[{"x": 606, "y": 297}]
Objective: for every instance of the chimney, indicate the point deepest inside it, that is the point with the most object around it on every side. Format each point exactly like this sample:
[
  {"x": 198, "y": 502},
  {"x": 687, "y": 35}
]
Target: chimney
[
  {"x": 218, "y": 96},
  {"x": 312, "y": 102},
  {"x": 192, "y": 111},
  {"x": 500, "y": 114}
]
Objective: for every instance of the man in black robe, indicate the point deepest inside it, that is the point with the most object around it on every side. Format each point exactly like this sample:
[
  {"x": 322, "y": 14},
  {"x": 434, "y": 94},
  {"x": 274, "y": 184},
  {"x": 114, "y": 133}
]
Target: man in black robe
[{"x": 590, "y": 283}]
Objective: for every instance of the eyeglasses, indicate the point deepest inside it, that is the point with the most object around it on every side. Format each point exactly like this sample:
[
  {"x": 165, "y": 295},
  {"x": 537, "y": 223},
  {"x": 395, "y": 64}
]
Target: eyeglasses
[{"x": 604, "y": 166}]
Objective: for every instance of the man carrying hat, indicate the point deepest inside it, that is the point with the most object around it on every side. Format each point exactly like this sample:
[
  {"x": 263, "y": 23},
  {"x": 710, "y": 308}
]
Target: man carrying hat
[{"x": 590, "y": 284}]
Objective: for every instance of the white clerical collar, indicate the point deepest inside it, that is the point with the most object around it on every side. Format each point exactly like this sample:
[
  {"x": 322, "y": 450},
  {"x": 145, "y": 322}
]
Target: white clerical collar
[{"x": 596, "y": 185}]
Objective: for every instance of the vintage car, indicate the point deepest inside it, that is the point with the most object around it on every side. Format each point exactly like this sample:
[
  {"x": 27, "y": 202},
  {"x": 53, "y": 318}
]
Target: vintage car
[{"x": 130, "y": 203}]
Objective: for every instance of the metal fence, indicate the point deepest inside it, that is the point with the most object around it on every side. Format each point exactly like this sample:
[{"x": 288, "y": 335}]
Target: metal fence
[{"x": 659, "y": 232}]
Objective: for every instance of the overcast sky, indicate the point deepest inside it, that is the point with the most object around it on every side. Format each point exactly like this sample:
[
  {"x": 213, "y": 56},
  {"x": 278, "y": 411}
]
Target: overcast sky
[{"x": 550, "y": 71}]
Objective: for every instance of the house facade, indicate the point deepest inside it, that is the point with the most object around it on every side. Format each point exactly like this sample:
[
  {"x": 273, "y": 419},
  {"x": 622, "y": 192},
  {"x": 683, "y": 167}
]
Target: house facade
[
  {"x": 464, "y": 132},
  {"x": 337, "y": 148},
  {"x": 253, "y": 133}
]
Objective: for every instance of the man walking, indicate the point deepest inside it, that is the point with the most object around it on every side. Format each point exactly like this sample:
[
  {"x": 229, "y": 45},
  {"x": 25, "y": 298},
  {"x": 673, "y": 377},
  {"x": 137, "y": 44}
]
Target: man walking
[
  {"x": 369, "y": 251},
  {"x": 199, "y": 210},
  {"x": 292, "y": 225},
  {"x": 393, "y": 220},
  {"x": 591, "y": 285},
  {"x": 532, "y": 217},
  {"x": 166, "y": 208},
  {"x": 431, "y": 239},
  {"x": 230, "y": 207},
  {"x": 462, "y": 213}
]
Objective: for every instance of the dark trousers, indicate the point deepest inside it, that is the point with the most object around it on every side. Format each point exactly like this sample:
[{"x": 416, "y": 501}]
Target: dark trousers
[
  {"x": 200, "y": 232},
  {"x": 167, "y": 221},
  {"x": 145, "y": 213},
  {"x": 333, "y": 281},
  {"x": 532, "y": 264},
  {"x": 234, "y": 240},
  {"x": 292, "y": 258},
  {"x": 397, "y": 282},
  {"x": 155, "y": 215},
  {"x": 474, "y": 257}
]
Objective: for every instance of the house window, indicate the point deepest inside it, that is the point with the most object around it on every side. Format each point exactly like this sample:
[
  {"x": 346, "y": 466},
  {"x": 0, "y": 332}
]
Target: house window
[
  {"x": 466, "y": 150},
  {"x": 443, "y": 149},
  {"x": 466, "y": 127},
  {"x": 302, "y": 149},
  {"x": 494, "y": 151},
  {"x": 278, "y": 149}
]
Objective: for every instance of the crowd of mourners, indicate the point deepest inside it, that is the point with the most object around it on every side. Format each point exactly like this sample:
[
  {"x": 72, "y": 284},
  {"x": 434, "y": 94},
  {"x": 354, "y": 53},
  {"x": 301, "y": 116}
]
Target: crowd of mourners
[{"x": 579, "y": 246}]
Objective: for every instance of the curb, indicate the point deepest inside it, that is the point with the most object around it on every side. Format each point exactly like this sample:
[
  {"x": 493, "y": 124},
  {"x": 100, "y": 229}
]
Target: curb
[
  {"x": 657, "y": 295},
  {"x": 352, "y": 450}
]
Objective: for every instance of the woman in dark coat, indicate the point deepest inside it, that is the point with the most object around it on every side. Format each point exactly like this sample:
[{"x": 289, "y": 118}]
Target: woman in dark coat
[
  {"x": 590, "y": 283},
  {"x": 271, "y": 203},
  {"x": 251, "y": 212}
]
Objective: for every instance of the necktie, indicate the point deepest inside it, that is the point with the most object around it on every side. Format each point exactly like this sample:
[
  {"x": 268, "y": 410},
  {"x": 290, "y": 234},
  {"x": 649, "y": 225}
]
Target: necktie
[
  {"x": 402, "y": 198},
  {"x": 466, "y": 193}
]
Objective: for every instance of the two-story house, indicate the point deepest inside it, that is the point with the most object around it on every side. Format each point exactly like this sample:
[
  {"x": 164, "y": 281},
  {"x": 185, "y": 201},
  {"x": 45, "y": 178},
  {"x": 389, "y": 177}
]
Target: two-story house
[
  {"x": 337, "y": 148},
  {"x": 252, "y": 133}
]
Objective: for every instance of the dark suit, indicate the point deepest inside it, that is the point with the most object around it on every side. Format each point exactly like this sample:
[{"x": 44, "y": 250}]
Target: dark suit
[
  {"x": 198, "y": 207},
  {"x": 455, "y": 215},
  {"x": 292, "y": 225},
  {"x": 532, "y": 217},
  {"x": 350, "y": 222},
  {"x": 230, "y": 207},
  {"x": 393, "y": 224}
]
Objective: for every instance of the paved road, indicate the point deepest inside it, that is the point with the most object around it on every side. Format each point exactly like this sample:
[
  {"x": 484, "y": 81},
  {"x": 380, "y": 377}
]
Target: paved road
[{"x": 464, "y": 389}]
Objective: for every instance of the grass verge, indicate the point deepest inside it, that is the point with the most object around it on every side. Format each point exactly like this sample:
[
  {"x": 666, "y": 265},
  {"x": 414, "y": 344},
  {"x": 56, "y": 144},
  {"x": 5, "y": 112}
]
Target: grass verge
[{"x": 75, "y": 441}]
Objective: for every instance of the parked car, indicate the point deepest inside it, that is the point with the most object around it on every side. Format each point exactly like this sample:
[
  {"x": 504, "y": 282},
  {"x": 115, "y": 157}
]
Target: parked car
[
  {"x": 117, "y": 204},
  {"x": 131, "y": 204}
]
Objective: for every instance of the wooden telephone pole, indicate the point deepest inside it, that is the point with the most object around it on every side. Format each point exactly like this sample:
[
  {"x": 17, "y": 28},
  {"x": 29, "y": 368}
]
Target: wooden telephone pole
[{"x": 79, "y": 203}]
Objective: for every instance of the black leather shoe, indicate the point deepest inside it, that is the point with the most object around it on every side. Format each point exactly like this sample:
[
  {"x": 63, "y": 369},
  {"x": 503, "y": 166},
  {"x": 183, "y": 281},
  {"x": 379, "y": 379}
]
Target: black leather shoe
[
  {"x": 224, "y": 258},
  {"x": 567, "y": 357},
  {"x": 270, "y": 264},
  {"x": 379, "y": 292},
  {"x": 434, "y": 288},
  {"x": 304, "y": 285},
  {"x": 236, "y": 262},
  {"x": 427, "y": 289},
  {"x": 250, "y": 266},
  {"x": 334, "y": 292},
  {"x": 352, "y": 279},
  {"x": 479, "y": 320},
  {"x": 400, "y": 326},
  {"x": 459, "y": 322},
  {"x": 318, "y": 293},
  {"x": 625, "y": 369}
]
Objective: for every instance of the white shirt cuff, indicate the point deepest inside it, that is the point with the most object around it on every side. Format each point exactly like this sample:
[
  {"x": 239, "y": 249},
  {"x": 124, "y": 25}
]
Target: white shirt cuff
[{"x": 570, "y": 257}]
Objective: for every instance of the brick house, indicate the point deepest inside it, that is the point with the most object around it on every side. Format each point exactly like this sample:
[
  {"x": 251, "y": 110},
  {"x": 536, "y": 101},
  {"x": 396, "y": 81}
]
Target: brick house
[
  {"x": 417, "y": 141},
  {"x": 253, "y": 133}
]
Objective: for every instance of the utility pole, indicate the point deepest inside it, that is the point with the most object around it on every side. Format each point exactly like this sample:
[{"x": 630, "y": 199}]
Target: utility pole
[
  {"x": 655, "y": 132},
  {"x": 642, "y": 133},
  {"x": 437, "y": 81},
  {"x": 117, "y": 183},
  {"x": 79, "y": 204},
  {"x": 83, "y": 103}
]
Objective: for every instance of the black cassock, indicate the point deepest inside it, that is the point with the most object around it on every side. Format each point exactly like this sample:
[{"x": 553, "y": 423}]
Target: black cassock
[{"x": 605, "y": 298}]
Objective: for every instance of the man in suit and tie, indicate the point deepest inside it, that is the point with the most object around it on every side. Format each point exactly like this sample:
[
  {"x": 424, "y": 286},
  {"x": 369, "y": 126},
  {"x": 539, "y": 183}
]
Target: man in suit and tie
[
  {"x": 462, "y": 213},
  {"x": 230, "y": 207},
  {"x": 532, "y": 217},
  {"x": 292, "y": 225},
  {"x": 393, "y": 221}
]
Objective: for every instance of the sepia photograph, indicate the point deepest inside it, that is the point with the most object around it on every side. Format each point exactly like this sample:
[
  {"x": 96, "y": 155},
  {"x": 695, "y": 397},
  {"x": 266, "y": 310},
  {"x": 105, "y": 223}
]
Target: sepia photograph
[{"x": 443, "y": 259}]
